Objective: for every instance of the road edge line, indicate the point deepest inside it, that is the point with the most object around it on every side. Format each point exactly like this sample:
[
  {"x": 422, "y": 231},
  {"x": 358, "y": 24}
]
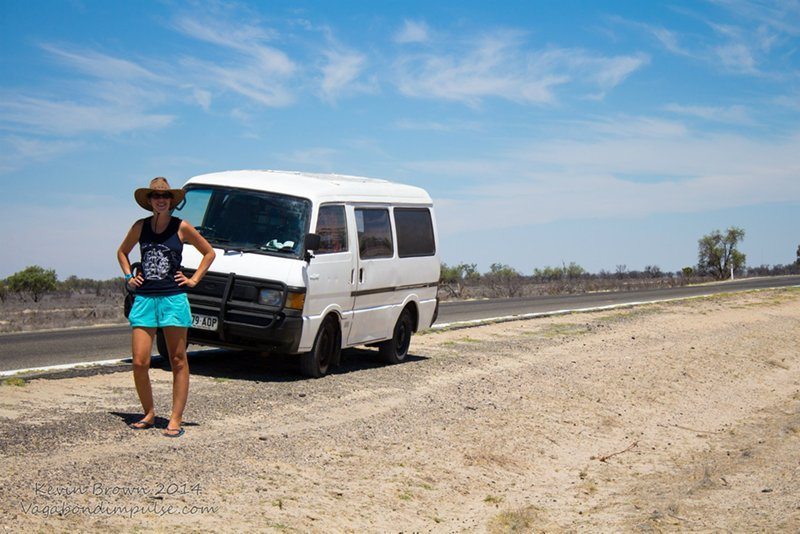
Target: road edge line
[
  {"x": 65, "y": 366},
  {"x": 520, "y": 317}
]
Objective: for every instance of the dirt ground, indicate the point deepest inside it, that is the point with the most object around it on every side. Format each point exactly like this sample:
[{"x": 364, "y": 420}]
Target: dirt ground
[{"x": 670, "y": 417}]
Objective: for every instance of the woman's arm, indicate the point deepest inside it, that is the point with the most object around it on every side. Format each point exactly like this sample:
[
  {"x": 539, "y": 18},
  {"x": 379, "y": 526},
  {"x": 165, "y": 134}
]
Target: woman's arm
[
  {"x": 125, "y": 248},
  {"x": 189, "y": 234}
]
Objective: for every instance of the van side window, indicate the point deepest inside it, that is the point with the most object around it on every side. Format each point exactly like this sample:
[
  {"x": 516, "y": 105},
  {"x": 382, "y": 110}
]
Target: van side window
[
  {"x": 332, "y": 230},
  {"x": 414, "y": 232},
  {"x": 374, "y": 233}
]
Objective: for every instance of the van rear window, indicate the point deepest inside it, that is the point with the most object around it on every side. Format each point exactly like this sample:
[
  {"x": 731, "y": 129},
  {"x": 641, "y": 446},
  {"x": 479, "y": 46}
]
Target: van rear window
[
  {"x": 414, "y": 232},
  {"x": 374, "y": 233}
]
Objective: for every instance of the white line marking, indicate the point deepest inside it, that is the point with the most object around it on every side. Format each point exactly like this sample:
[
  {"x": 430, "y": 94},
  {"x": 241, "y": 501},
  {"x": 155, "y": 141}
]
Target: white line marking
[
  {"x": 64, "y": 366},
  {"x": 521, "y": 316}
]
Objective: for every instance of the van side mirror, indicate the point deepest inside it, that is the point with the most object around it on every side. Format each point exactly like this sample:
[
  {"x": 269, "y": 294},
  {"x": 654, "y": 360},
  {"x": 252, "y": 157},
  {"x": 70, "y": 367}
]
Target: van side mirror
[
  {"x": 312, "y": 242},
  {"x": 310, "y": 245}
]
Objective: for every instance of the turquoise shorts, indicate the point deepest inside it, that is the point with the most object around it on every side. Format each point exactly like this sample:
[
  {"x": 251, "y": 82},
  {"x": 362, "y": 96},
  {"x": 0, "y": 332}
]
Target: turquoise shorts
[{"x": 157, "y": 312}]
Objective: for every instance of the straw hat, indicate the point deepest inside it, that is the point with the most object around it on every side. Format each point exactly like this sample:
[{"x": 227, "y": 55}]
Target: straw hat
[{"x": 160, "y": 184}]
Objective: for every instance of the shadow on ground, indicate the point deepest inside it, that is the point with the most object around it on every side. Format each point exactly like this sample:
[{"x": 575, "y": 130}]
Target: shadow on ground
[
  {"x": 264, "y": 367},
  {"x": 160, "y": 422},
  {"x": 240, "y": 365}
]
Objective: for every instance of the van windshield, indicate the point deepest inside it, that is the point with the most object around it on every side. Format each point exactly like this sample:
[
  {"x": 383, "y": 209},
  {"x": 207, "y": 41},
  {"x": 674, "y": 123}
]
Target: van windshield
[{"x": 248, "y": 221}]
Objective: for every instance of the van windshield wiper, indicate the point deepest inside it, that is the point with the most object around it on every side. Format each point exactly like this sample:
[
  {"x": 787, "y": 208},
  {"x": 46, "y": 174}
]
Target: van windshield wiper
[
  {"x": 276, "y": 249},
  {"x": 243, "y": 249}
]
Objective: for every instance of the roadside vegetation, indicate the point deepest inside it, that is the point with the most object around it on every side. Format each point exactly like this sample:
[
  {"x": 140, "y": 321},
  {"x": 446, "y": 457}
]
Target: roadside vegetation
[
  {"x": 34, "y": 298},
  {"x": 718, "y": 258}
]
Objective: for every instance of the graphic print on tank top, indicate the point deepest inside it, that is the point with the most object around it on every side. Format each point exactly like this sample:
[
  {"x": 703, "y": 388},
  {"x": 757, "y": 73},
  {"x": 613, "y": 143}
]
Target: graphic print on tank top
[{"x": 157, "y": 261}]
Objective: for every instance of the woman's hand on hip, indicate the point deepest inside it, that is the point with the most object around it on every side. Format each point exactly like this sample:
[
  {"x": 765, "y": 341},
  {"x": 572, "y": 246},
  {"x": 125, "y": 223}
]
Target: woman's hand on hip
[
  {"x": 183, "y": 281},
  {"x": 136, "y": 281}
]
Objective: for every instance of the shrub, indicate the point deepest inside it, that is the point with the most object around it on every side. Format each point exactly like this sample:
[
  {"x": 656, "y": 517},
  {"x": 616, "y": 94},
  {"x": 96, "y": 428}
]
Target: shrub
[{"x": 33, "y": 280}]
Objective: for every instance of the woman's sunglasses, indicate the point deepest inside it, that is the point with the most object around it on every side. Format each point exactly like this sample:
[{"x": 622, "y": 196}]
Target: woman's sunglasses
[{"x": 160, "y": 195}]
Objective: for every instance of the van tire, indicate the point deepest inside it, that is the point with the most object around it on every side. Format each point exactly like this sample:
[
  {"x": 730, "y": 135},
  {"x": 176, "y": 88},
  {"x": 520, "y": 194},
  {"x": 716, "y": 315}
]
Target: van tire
[
  {"x": 327, "y": 345},
  {"x": 395, "y": 350}
]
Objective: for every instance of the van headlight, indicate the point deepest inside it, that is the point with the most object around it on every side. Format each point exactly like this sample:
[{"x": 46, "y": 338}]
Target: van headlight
[{"x": 270, "y": 297}]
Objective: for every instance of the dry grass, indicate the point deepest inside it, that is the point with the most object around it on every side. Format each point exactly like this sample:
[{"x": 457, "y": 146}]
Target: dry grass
[
  {"x": 61, "y": 311},
  {"x": 522, "y": 520}
]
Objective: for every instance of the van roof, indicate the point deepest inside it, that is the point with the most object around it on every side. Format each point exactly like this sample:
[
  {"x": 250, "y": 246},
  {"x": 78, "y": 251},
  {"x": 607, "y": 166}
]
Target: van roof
[{"x": 317, "y": 187}]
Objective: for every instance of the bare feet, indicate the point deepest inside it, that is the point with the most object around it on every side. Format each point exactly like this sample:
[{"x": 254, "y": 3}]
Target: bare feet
[{"x": 141, "y": 425}]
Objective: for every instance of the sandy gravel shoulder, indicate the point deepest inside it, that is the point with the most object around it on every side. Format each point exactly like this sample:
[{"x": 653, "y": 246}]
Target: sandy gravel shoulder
[{"x": 679, "y": 416}]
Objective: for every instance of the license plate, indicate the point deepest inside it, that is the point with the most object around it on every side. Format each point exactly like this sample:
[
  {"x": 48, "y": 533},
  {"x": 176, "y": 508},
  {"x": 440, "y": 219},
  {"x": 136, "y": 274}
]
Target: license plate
[{"x": 204, "y": 322}]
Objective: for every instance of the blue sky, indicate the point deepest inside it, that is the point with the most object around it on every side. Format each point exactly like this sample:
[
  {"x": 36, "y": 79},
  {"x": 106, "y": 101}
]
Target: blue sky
[{"x": 603, "y": 133}]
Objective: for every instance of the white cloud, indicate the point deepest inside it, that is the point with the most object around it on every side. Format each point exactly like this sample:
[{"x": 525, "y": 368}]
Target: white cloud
[
  {"x": 498, "y": 65},
  {"x": 736, "y": 57},
  {"x": 412, "y": 32},
  {"x": 628, "y": 175},
  {"x": 203, "y": 98},
  {"x": 256, "y": 70},
  {"x": 341, "y": 72},
  {"x": 44, "y": 116},
  {"x": 727, "y": 114},
  {"x": 437, "y": 126},
  {"x": 100, "y": 65},
  {"x": 17, "y": 152},
  {"x": 246, "y": 79},
  {"x": 114, "y": 96},
  {"x": 238, "y": 36},
  {"x": 669, "y": 40},
  {"x": 746, "y": 39},
  {"x": 779, "y": 15}
]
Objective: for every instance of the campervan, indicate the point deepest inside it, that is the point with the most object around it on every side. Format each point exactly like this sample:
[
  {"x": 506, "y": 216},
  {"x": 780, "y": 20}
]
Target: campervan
[{"x": 309, "y": 264}]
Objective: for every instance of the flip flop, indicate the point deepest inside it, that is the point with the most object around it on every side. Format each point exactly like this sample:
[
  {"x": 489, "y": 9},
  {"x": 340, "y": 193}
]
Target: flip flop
[
  {"x": 144, "y": 425},
  {"x": 178, "y": 432}
]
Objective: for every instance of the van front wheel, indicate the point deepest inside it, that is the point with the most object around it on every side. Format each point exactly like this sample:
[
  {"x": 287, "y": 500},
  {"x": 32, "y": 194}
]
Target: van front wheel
[
  {"x": 324, "y": 353},
  {"x": 395, "y": 350}
]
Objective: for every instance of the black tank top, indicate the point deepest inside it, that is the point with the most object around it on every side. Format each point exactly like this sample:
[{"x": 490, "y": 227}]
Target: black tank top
[{"x": 161, "y": 257}]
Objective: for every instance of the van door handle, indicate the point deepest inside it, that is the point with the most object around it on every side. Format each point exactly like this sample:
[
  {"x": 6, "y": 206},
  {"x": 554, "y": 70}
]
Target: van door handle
[
  {"x": 352, "y": 276},
  {"x": 361, "y": 275}
]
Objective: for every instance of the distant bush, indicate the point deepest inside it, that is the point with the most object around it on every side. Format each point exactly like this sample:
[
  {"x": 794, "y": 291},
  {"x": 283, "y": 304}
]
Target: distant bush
[
  {"x": 33, "y": 281},
  {"x": 73, "y": 284},
  {"x": 774, "y": 270},
  {"x": 454, "y": 279},
  {"x": 504, "y": 281}
]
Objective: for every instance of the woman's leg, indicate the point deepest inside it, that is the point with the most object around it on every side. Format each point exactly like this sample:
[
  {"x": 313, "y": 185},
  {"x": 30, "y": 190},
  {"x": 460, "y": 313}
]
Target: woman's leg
[
  {"x": 176, "y": 343},
  {"x": 142, "y": 346}
]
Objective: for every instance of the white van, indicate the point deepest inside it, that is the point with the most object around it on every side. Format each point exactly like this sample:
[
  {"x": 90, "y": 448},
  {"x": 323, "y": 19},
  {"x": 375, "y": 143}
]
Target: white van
[{"x": 309, "y": 264}]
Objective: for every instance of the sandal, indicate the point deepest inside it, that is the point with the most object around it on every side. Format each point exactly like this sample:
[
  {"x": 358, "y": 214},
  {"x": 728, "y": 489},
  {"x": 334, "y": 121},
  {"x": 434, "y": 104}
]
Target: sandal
[{"x": 173, "y": 432}]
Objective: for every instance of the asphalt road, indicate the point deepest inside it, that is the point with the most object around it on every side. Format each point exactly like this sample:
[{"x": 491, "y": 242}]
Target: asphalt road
[{"x": 40, "y": 349}]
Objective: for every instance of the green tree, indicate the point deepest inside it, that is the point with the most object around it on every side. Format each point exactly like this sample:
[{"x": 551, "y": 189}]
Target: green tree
[
  {"x": 548, "y": 274},
  {"x": 33, "y": 280},
  {"x": 3, "y": 291},
  {"x": 455, "y": 278},
  {"x": 573, "y": 271},
  {"x": 717, "y": 253},
  {"x": 503, "y": 280}
]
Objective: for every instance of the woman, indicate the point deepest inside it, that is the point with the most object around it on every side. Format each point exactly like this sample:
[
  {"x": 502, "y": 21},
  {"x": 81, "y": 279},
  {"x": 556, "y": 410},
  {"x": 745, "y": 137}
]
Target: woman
[{"x": 161, "y": 300}]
